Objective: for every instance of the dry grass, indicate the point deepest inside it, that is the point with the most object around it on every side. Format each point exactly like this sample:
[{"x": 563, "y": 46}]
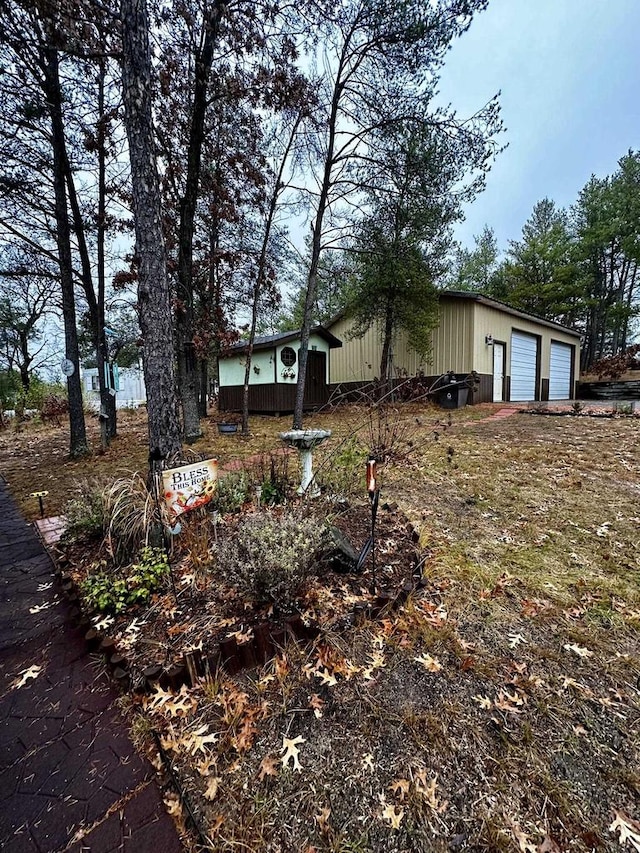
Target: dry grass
[{"x": 498, "y": 710}]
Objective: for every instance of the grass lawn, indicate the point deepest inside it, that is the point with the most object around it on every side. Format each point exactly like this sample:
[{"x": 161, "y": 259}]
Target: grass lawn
[{"x": 498, "y": 709}]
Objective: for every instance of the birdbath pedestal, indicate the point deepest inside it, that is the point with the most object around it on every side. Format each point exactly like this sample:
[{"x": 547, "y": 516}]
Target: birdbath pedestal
[{"x": 305, "y": 441}]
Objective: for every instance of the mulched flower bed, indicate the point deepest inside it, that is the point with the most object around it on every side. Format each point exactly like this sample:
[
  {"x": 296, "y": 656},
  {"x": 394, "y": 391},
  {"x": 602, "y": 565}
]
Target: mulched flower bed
[{"x": 208, "y": 623}]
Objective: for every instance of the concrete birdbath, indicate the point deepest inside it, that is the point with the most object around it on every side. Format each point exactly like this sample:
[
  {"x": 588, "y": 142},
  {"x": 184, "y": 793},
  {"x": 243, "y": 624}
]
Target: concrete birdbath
[{"x": 305, "y": 441}]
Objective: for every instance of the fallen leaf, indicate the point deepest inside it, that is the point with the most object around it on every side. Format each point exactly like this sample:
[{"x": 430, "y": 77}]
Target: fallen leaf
[
  {"x": 322, "y": 819},
  {"x": 268, "y": 767},
  {"x": 214, "y": 826},
  {"x": 516, "y": 640},
  {"x": 38, "y": 608},
  {"x": 290, "y": 749},
  {"x": 25, "y": 675},
  {"x": 628, "y": 829},
  {"x": 367, "y": 761},
  {"x": 212, "y": 789},
  {"x": 429, "y": 663},
  {"x": 173, "y": 804},
  {"x": 198, "y": 740},
  {"x": 393, "y": 814},
  {"x": 578, "y": 650},
  {"x": 483, "y": 701},
  {"x": 401, "y": 786},
  {"x": 317, "y": 704},
  {"x": 204, "y": 767},
  {"x": 524, "y": 844},
  {"x": 243, "y": 636},
  {"x": 549, "y": 846},
  {"x": 281, "y": 666},
  {"x": 510, "y": 702},
  {"x": 325, "y": 676}
]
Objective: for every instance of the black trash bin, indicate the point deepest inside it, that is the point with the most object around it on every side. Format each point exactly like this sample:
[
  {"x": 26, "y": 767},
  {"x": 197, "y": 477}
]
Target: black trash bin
[{"x": 453, "y": 396}]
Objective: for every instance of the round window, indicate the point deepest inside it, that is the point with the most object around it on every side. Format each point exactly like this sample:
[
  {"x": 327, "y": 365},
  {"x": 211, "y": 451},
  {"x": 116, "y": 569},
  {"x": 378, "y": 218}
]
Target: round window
[{"x": 288, "y": 356}]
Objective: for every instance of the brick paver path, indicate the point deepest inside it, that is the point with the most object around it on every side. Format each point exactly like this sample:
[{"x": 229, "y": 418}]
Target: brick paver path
[{"x": 70, "y": 779}]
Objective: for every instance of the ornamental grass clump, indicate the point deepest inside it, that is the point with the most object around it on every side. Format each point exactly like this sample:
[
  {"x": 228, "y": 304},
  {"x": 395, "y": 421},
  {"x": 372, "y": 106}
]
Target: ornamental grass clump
[{"x": 271, "y": 555}]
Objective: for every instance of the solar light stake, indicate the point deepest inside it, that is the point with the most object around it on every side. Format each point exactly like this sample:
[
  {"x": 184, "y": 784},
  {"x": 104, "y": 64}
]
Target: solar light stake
[{"x": 40, "y": 495}]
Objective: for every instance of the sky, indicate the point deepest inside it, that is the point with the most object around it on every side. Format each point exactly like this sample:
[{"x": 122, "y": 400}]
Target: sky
[{"x": 569, "y": 76}]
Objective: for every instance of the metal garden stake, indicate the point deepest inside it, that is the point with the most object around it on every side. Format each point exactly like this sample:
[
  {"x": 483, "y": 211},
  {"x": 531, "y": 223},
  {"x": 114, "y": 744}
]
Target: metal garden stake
[{"x": 374, "y": 496}]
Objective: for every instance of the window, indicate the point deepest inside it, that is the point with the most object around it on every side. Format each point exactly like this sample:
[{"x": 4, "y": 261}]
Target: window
[{"x": 288, "y": 356}]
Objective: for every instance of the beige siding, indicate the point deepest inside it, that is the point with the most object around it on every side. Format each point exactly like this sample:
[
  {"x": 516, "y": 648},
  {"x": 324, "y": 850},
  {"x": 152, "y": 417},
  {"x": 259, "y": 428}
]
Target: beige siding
[
  {"x": 499, "y": 324},
  {"x": 453, "y": 339},
  {"x": 359, "y": 358},
  {"x": 458, "y": 344}
]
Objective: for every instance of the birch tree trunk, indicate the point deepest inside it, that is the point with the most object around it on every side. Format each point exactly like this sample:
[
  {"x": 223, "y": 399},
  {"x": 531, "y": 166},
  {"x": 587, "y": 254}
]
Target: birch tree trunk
[{"x": 154, "y": 304}]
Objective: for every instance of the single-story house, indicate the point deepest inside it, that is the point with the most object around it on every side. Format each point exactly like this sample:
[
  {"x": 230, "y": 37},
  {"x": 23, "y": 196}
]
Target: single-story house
[
  {"x": 274, "y": 372},
  {"x": 129, "y": 386},
  {"x": 517, "y": 356}
]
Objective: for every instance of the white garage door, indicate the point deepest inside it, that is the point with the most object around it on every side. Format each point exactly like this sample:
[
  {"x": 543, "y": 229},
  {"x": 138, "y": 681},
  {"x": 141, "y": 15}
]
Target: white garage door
[
  {"x": 524, "y": 351},
  {"x": 560, "y": 371}
]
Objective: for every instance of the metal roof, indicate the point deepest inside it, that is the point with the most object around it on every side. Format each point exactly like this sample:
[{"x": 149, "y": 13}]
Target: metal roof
[{"x": 268, "y": 341}]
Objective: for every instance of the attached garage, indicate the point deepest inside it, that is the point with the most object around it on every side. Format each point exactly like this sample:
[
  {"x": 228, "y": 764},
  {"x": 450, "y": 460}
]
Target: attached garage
[
  {"x": 524, "y": 366},
  {"x": 560, "y": 371}
]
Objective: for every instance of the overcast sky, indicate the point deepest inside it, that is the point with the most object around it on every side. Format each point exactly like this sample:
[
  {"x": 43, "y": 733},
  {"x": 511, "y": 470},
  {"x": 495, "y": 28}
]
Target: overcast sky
[{"x": 569, "y": 72}]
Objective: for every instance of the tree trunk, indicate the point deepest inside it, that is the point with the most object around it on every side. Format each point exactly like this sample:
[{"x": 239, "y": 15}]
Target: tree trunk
[
  {"x": 77, "y": 431},
  {"x": 261, "y": 272},
  {"x": 204, "y": 388},
  {"x": 316, "y": 247},
  {"x": 154, "y": 305},
  {"x": 188, "y": 379},
  {"x": 385, "y": 358}
]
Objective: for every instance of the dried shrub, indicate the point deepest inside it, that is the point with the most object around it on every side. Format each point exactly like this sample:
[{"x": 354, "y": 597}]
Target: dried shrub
[
  {"x": 131, "y": 513},
  {"x": 271, "y": 555},
  {"x": 53, "y": 407},
  {"x": 271, "y": 473},
  {"x": 341, "y": 472},
  {"x": 85, "y": 511},
  {"x": 613, "y": 366}
]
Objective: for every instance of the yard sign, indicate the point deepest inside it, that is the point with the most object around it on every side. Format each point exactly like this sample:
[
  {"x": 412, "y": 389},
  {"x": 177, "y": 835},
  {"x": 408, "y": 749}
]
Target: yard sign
[{"x": 189, "y": 486}]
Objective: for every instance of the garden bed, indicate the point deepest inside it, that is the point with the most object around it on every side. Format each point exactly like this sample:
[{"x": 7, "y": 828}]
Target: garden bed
[{"x": 200, "y": 621}]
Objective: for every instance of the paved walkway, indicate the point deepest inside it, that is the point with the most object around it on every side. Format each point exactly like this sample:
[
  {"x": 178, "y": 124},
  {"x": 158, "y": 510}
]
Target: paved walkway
[{"x": 70, "y": 779}]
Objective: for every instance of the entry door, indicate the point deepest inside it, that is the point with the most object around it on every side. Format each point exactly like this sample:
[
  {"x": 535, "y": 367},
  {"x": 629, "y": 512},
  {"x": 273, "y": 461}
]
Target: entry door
[
  {"x": 498, "y": 372},
  {"x": 316, "y": 392}
]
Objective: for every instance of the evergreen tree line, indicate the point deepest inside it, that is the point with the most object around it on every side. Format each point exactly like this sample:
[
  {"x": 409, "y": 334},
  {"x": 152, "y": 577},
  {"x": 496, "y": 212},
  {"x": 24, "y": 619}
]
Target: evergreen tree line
[{"x": 578, "y": 267}]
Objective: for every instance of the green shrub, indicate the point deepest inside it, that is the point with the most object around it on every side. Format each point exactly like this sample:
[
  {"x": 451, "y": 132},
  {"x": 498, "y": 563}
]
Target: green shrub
[
  {"x": 270, "y": 556},
  {"x": 110, "y": 593},
  {"x": 232, "y": 492}
]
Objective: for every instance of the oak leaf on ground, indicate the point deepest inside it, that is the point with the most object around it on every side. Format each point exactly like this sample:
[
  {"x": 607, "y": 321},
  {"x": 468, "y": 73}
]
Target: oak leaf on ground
[
  {"x": 628, "y": 830},
  {"x": 291, "y": 751}
]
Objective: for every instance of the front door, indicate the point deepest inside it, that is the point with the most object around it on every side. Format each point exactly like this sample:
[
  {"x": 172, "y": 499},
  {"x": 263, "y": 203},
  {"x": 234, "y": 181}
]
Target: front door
[
  {"x": 498, "y": 372},
  {"x": 316, "y": 392}
]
